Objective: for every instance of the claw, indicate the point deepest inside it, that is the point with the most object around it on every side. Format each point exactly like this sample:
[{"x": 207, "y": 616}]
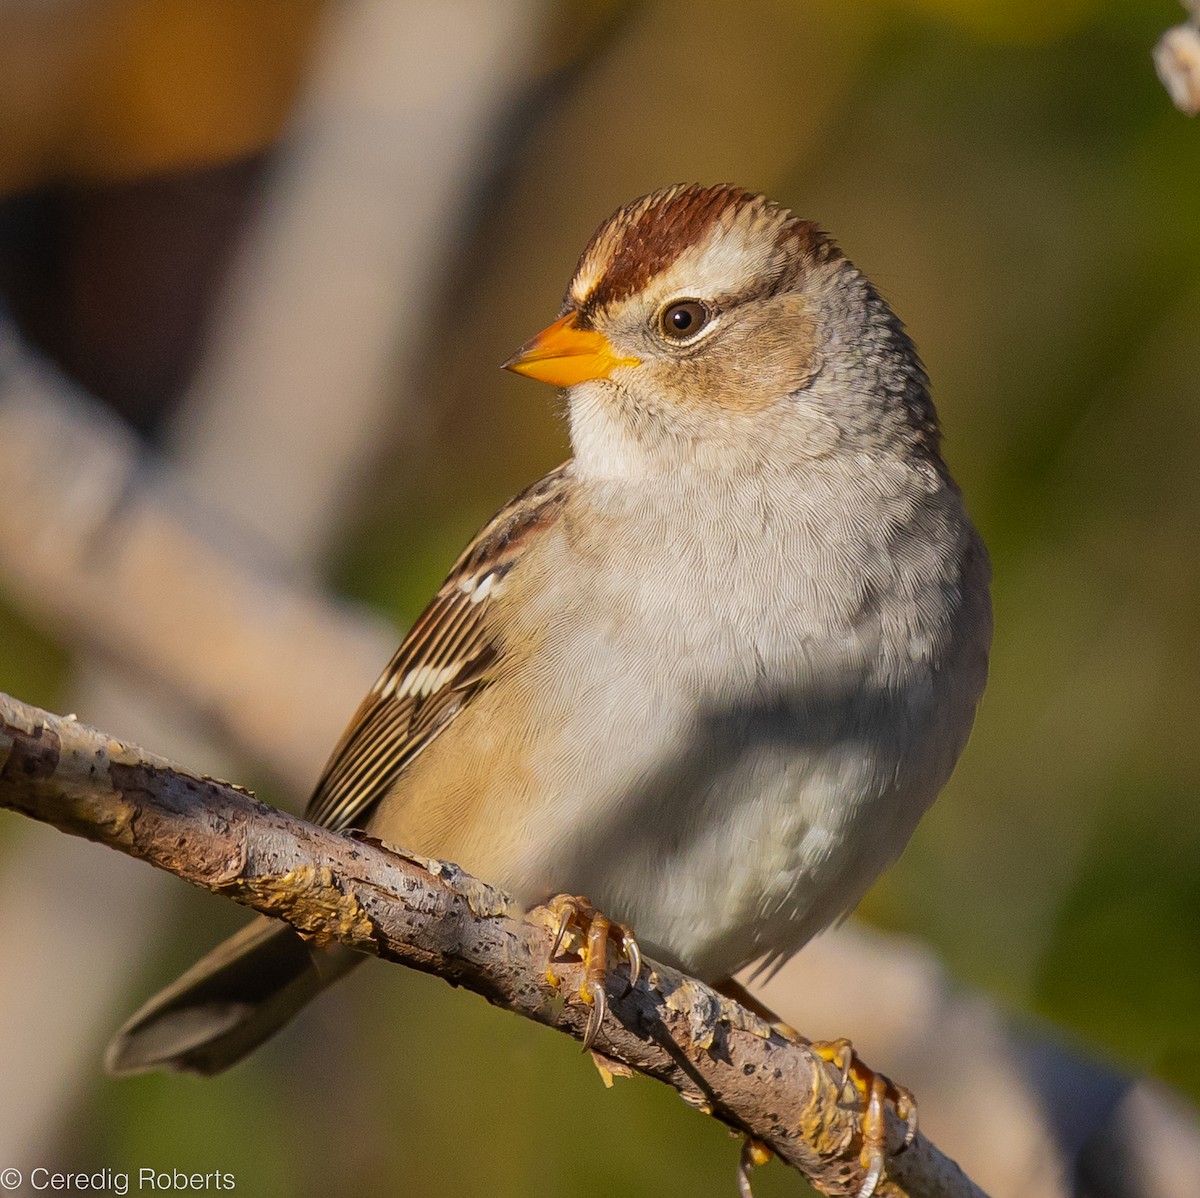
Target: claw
[
  {"x": 568, "y": 912},
  {"x": 633, "y": 955},
  {"x": 745, "y": 1164},
  {"x": 754, "y": 1152},
  {"x": 841, "y": 1057},
  {"x": 874, "y": 1130},
  {"x": 593, "y": 992},
  {"x": 597, "y": 930},
  {"x": 905, "y": 1103}
]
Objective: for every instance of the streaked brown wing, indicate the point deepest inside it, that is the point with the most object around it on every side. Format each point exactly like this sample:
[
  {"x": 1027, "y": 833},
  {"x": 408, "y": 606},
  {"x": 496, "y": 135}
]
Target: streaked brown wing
[{"x": 448, "y": 656}]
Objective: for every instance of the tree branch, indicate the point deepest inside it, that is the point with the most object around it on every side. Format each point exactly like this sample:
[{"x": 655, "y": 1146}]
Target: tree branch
[{"x": 433, "y": 917}]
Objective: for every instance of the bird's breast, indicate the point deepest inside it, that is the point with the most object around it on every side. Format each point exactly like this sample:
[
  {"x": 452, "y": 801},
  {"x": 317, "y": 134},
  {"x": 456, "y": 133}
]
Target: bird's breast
[{"x": 730, "y": 720}]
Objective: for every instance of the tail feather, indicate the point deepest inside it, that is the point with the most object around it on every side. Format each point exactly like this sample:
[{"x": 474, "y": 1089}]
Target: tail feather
[{"x": 228, "y": 1003}]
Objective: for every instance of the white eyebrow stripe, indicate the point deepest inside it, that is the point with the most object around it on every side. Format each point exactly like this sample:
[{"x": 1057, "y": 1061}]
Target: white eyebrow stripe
[{"x": 725, "y": 262}]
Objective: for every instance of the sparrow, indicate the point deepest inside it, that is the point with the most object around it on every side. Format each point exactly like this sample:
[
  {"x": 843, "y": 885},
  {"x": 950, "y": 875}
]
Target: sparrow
[{"x": 708, "y": 673}]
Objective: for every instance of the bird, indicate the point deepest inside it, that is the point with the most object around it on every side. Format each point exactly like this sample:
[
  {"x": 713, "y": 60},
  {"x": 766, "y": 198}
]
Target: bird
[{"x": 707, "y": 674}]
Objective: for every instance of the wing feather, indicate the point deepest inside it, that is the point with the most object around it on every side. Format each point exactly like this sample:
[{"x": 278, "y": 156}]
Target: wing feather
[{"x": 448, "y": 656}]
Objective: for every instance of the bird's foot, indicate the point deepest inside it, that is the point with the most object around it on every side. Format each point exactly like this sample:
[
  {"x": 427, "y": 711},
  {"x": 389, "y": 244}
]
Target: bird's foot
[
  {"x": 576, "y": 920},
  {"x": 871, "y": 1090},
  {"x": 874, "y": 1091}
]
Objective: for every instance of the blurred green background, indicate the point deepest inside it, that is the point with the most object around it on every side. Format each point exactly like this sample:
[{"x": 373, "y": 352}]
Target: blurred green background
[{"x": 1013, "y": 178}]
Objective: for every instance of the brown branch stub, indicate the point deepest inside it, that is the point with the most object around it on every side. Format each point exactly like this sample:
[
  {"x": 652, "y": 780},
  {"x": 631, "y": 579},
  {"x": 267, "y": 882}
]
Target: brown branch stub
[{"x": 433, "y": 917}]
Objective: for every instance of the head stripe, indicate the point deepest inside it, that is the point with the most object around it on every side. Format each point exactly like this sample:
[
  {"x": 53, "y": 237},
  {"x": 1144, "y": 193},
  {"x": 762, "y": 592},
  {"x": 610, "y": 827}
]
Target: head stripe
[{"x": 644, "y": 238}]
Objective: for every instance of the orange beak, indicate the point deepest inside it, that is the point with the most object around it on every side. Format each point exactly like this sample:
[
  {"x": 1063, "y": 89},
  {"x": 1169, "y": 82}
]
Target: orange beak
[{"x": 564, "y": 354}]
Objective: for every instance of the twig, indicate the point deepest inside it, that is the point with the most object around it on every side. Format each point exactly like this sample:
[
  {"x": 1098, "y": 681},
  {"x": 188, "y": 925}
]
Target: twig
[
  {"x": 1177, "y": 60},
  {"x": 433, "y": 917}
]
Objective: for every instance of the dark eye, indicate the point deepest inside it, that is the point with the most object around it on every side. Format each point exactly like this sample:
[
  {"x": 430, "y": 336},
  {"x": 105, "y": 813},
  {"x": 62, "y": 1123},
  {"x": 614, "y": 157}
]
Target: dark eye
[{"x": 683, "y": 319}]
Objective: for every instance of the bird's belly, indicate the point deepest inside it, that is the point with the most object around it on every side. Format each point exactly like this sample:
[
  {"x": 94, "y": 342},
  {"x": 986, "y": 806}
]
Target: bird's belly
[
  {"x": 716, "y": 864},
  {"x": 724, "y": 774},
  {"x": 725, "y": 820}
]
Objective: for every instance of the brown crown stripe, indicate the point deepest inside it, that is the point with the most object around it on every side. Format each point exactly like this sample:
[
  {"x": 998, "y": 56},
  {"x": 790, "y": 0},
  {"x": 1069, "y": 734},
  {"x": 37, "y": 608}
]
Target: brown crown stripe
[
  {"x": 651, "y": 232},
  {"x": 658, "y": 235}
]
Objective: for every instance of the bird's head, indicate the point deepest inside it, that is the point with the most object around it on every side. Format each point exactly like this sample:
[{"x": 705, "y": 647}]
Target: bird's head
[{"x": 709, "y": 327}]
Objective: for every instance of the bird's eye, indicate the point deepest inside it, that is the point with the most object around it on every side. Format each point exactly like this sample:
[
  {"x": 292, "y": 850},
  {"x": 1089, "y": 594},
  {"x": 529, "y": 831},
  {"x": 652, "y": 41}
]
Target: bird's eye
[{"x": 682, "y": 320}]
